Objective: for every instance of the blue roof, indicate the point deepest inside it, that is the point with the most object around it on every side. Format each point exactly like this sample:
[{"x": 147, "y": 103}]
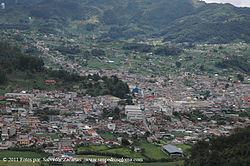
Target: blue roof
[{"x": 136, "y": 90}]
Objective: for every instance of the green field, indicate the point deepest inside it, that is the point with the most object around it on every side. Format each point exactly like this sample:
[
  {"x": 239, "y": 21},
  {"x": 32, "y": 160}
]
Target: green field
[
  {"x": 179, "y": 163},
  {"x": 3, "y": 163},
  {"x": 107, "y": 136},
  {"x": 18, "y": 154},
  {"x": 93, "y": 148},
  {"x": 149, "y": 148},
  {"x": 184, "y": 148},
  {"x": 125, "y": 152}
]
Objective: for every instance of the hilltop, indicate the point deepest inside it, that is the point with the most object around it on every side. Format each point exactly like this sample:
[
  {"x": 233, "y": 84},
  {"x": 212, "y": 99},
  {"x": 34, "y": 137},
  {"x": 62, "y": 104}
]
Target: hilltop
[{"x": 175, "y": 20}]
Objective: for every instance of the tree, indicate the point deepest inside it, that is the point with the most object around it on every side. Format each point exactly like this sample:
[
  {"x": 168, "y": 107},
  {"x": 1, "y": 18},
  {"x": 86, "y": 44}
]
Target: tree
[
  {"x": 226, "y": 86},
  {"x": 125, "y": 142},
  {"x": 202, "y": 68},
  {"x": 98, "y": 52},
  {"x": 50, "y": 144},
  {"x": 221, "y": 151},
  {"x": 178, "y": 64},
  {"x": 3, "y": 77},
  {"x": 240, "y": 77}
]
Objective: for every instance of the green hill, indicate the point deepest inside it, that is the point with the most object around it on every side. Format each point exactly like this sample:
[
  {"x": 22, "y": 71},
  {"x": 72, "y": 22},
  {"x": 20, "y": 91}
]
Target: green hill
[
  {"x": 172, "y": 20},
  {"x": 18, "y": 70},
  {"x": 222, "y": 151}
]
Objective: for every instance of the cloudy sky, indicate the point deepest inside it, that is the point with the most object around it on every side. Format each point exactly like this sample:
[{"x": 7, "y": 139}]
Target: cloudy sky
[{"x": 239, "y": 3}]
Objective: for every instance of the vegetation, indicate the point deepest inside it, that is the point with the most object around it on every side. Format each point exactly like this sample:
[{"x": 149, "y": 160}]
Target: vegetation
[
  {"x": 3, "y": 163},
  {"x": 228, "y": 151},
  {"x": 11, "y": 60},
  {"x": 148, "y": 148},
  {"x": 176, "y": 163},
  {"x": 16, "y": 66},
  {"x": 238, "y": 63},
  {"x": 19, "y": 154},
  {"x": 107, "y": 136},
  {"x": 177, "y": 20},
  {"x": 126, "y": 150}
]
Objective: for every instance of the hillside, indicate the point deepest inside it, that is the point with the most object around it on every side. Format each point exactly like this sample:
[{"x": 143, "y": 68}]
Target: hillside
[
  {"x": 18, "y": 70},
  {"x": 175, "y": 20},
  {"x": 220, "y": 151}
]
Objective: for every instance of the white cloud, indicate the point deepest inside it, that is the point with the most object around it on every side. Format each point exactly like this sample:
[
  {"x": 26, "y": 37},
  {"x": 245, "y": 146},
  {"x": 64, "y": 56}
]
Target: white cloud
[{"x": 238, "y": 3}]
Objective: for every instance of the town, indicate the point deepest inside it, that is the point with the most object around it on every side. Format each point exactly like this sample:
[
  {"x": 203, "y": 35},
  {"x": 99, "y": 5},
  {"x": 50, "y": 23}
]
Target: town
[
  {"x": 179, "y": 92},
  {"x": 165, "y": 111}
]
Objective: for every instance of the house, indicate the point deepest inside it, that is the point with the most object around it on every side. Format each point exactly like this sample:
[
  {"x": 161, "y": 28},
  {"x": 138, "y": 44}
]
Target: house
[
  {"x": 172, "y": 150},
  {"x": 5, "y": 145},
  {"x": 5, "y": 134},
  {"x": 24, "y": 140},
  {"x": 66, "y": 146}
]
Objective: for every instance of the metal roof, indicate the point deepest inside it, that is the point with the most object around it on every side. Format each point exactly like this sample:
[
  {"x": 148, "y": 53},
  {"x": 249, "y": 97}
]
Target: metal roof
[{"x": 172, "y": 149}]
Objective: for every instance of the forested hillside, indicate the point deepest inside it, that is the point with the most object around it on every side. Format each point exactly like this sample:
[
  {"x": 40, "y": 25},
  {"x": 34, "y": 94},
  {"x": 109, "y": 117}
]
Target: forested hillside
[
  {"x": 172, "y": 20},
  {"x": 18, "y": 70},
  {"x": 222, "y": 151}
]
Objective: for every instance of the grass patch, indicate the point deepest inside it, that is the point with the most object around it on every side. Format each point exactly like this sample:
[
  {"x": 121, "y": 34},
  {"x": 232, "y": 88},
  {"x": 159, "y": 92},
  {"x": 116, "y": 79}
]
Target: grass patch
[
  {"x": 3, "y": 163},
  {"x": 92, "y": 148},
  {"x": 152, "y": 151},
  {"x": 179, "y": 163},
  {"x": 107, "y": 136},
  {"x": 124, "y": 151},
  {"x": 23, "y": 154},
  {"x": 179, "y": 134}
]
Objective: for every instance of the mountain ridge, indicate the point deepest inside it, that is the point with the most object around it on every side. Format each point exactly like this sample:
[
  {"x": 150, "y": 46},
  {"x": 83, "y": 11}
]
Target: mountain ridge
[{"x": 175, "y": 20}]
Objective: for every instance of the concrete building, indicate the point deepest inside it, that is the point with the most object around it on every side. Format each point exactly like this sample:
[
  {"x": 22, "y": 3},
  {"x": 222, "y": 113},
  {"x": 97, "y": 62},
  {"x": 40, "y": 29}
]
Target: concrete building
[
  {"x": 19, "y": 95},
  {"x": 133, "y": 112},
  {"x": 24, "y": 140},
  {"x": 111, "y": 126}
]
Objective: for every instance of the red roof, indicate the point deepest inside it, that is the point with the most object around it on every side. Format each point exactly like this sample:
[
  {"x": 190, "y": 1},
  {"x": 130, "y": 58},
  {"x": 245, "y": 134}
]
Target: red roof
[
  {"x": 213, "y": 131},
  {"x": 50, "y": 81},
  {"x": 148, "y": 113},
  {"x": 108, "y": 96},
  {"x": 179, "y": 138},
  {"x": 40, "y": 140},
  {"x": 94, "y": 139},
  {"x": 150, "y": 97},
  {"x": 245, "y": 98},
  {"x": 24, "y": 100},
  {"x": 19, "y": 89},
  {"x": 118, "y": 121},
  {"x": 159, "y": 118},
  {"x": 140, "y": 123},
  {"x": 66, "y": 148}
]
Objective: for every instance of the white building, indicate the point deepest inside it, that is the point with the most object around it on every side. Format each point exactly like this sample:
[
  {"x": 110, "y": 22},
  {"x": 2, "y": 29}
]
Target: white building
[
  {"x": 19, "y": 95},
  {"x": 133, "y": 112},
  {"x": 111, "y": 126},
  {"x": 2, "y": 5}
]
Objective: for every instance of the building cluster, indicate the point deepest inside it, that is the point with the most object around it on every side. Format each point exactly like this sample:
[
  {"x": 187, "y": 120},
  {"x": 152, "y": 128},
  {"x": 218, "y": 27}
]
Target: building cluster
[{"x": 177, "y": 110}]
